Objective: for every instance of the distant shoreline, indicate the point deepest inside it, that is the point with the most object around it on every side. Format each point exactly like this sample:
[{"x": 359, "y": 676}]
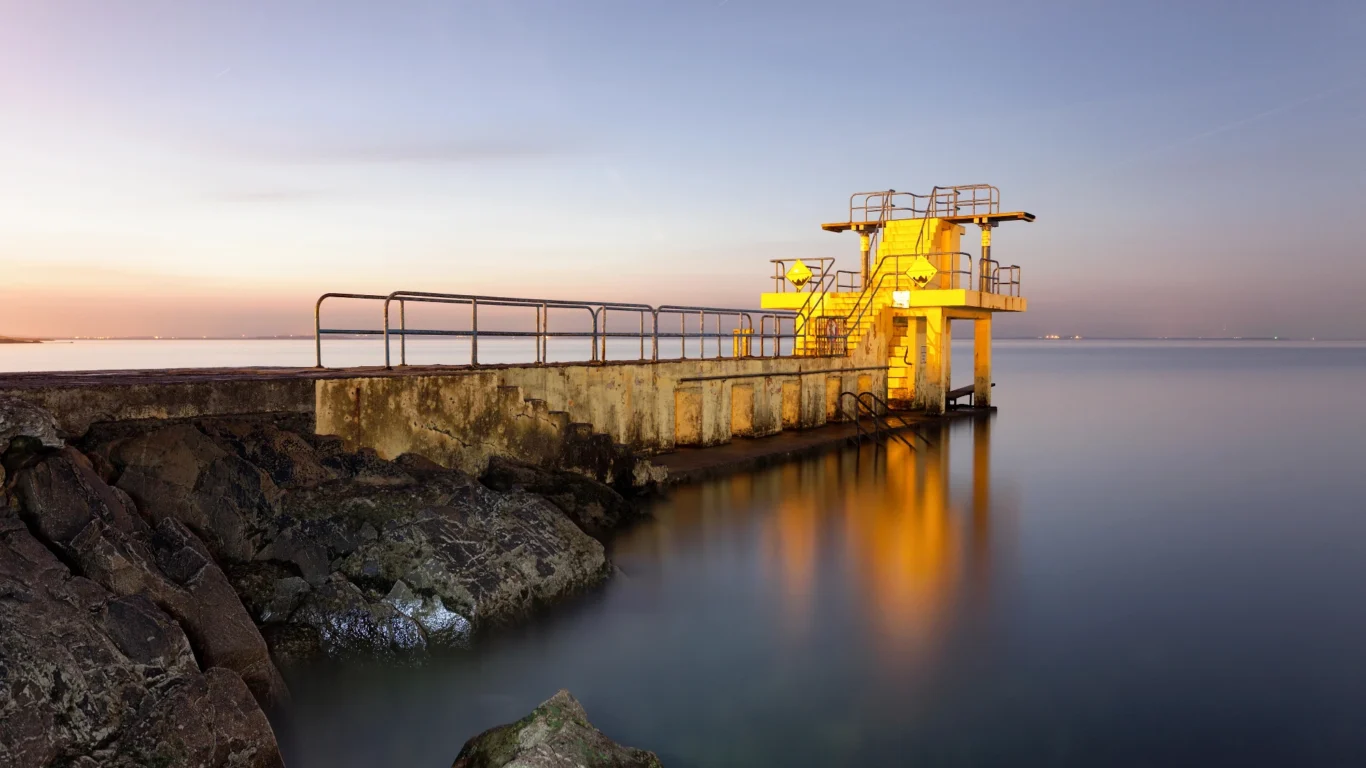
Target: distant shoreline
[{"x": 13, "y": 340}]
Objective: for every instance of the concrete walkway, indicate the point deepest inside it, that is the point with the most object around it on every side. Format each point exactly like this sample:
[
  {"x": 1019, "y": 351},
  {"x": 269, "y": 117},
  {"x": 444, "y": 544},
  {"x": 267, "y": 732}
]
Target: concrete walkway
[{"x": 686, "y": 465}]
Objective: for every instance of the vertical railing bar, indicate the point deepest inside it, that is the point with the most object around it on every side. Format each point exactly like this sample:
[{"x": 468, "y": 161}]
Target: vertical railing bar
[
  {"x": 318, "y": 330},
  {"x": 594, "y": 314},
  {"x": 403, "y": 332},
  {"x": 387, "y": 366},
  {"x": 474, "y": 332}
]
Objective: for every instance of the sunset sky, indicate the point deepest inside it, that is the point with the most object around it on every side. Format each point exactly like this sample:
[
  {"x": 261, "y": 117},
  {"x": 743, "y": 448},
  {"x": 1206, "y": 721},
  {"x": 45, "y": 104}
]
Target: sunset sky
[{"x": 1197, "y": 168}]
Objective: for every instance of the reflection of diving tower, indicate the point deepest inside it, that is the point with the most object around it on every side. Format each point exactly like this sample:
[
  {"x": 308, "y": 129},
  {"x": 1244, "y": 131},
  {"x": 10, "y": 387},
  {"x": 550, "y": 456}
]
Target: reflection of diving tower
[{"x": 913, "y": 281}]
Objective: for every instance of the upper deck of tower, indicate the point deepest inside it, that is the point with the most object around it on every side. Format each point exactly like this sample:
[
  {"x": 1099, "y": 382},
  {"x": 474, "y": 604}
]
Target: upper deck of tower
[
  {"x": 911, "y": 255},
  {"x": 964, "y": 204}
]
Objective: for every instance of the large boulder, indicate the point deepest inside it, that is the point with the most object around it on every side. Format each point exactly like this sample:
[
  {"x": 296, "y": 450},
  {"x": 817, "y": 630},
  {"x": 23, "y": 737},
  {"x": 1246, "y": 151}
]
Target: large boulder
[
  {"x": 556, "y": 734},
  {"x": 91, "y": 678},
  {"x": 97, "y": 529},
  {"x": 445, "y": 556},
  {"x": 595, "y": 507},
  {"x": 284, "y": 455},
  {"x": 347, "y": 553},
  {"x": 180, "y": 473}
]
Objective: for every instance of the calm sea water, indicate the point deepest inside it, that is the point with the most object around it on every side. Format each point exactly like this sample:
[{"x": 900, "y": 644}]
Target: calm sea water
[{"x": 1154, "y": 554}]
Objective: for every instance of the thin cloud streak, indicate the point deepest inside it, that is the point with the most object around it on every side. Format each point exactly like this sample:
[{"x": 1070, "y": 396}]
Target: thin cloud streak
[{"x": 326, "y": 151}]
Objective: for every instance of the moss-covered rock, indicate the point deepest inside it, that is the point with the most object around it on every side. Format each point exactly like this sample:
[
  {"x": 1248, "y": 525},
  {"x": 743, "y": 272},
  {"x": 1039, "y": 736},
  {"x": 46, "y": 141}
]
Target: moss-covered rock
[{"x": 556, "y": 734}]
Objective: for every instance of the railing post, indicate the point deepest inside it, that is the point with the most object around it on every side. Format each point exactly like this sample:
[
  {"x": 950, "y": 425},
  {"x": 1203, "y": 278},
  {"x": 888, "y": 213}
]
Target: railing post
[
  {"x": 594, "y": 313},
  {"x": 545, "y": 334},
  {"x": 318, "y": 330},
  {"x": 654, "y": 333},
  {"x": 403, "y": 331},
  {"x": 387, "y": 366},
  {"x": 474, "y": 331}
]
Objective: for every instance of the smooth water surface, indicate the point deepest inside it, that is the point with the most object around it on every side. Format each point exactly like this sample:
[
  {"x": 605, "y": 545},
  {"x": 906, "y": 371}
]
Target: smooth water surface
[{"x": 1155, "y": 554}]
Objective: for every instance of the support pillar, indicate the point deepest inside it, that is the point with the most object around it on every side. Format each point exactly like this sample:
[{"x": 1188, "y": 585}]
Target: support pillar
[
  {"x": 981, "y": 362},
  {"x": 933, "y": 364}
]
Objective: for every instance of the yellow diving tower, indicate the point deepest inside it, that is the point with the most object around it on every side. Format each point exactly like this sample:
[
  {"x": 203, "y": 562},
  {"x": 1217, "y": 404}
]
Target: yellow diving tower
[{"x": 913, "y": 281}]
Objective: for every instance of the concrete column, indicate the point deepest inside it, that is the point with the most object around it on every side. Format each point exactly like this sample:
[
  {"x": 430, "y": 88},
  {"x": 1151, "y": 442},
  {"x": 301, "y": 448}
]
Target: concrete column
[
  {"x": 981, "y": 362},
  {"x": 933, "y": 363}
]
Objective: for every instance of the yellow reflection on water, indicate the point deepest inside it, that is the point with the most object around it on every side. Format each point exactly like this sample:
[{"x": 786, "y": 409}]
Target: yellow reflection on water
[
  {"x": 910, "y": 541},
  {"x": 889, "y": 537}
]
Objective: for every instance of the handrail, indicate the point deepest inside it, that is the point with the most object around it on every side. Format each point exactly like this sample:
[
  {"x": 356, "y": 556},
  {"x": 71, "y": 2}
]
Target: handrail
[
  {"x": 771, "y": 325},
  {"x": 886, "y": 409},
  {"x": 318, "y": 330},
  {"x": 977, "y": 199},
  {"x": 881, "y": 428},
  {"x": 818, "y": 265}
]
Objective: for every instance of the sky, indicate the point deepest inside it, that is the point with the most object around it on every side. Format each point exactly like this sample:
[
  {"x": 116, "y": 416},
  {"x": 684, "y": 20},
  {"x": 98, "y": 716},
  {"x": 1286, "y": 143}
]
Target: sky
[{"x": 196, "y": 168}]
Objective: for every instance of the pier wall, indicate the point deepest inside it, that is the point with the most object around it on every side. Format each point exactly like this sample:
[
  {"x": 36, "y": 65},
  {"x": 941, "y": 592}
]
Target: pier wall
[
  {"x": 585, "y": 416},
  {"x": 538, "y": 413}
]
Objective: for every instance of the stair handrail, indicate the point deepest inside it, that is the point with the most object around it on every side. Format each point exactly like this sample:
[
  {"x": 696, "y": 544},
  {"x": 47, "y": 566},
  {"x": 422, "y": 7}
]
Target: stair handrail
[
  {"x": 881, "y": 428},
  {"x": 887, "y": 409},
  {"x": 808, "y": 308}
]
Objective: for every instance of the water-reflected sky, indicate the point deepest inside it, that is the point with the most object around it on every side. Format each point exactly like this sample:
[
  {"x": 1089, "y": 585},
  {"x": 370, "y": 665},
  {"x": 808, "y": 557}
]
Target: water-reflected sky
[{"x": 1153, "y": 555}]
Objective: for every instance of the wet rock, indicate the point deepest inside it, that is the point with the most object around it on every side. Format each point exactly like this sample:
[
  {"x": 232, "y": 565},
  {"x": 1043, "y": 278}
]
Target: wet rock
[
  {"x": 96, "y": 529},
  {"x": 556, "y": 734},
  {"x": 348, "y": 624},
  {"x": 440, "y": 624},
  {"x": 92, "y": 678},
  {"x": 594, "y": 507}
]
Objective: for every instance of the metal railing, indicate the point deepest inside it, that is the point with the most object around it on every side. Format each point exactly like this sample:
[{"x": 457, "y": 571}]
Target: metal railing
[
  {"x": 990, "y": 277},
  {"x": 891, "y": 205},
  {"x": 994, "y": 278},
  {"x": 737, "y": 325},
  {"x": 820, "y": 267},
  {"x": 879, "y": 428}
]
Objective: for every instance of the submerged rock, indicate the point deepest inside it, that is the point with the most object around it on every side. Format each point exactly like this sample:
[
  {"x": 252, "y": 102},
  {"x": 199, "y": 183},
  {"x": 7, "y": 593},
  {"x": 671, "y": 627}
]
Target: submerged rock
[{"x": 556, "y": 734}]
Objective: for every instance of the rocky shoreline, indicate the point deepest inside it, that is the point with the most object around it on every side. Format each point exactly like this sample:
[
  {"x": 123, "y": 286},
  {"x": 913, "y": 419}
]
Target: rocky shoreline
[{"x": 155, "y": 576}]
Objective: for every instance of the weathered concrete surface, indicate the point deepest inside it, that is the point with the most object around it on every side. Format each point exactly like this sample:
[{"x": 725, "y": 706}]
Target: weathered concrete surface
[
  {"x": 556, "y": 734},
  {"x": 463, "y": 418},
  {"x": 596, "y": 419},
  {"x": 81, "y": 399}
]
